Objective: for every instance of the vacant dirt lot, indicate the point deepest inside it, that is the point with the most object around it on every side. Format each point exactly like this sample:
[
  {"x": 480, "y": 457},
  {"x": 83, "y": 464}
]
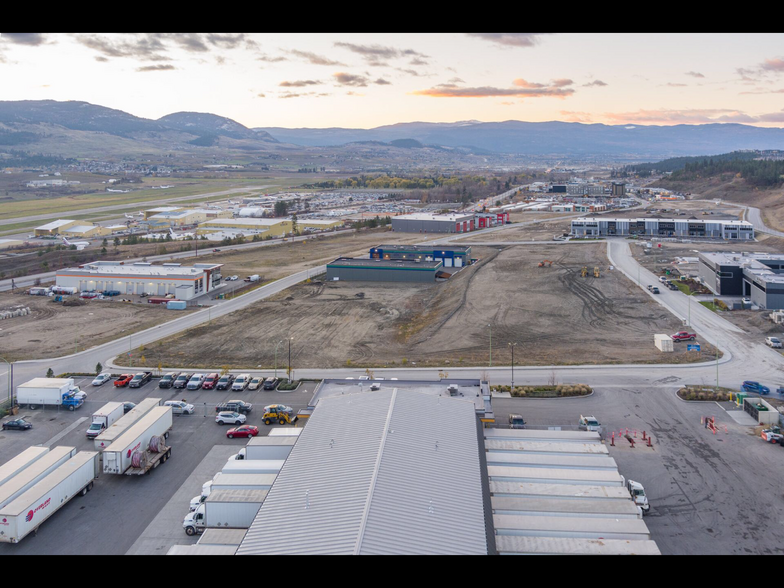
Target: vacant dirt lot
[
  {"x": 554, "y": 315},
  {"x": 542, "y": 231},
  {"x": 52, "y": 330}
]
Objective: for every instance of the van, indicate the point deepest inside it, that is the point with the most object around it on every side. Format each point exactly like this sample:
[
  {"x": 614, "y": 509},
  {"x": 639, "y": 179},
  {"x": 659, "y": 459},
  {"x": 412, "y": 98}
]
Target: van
[{"x": 179, "y": 407}]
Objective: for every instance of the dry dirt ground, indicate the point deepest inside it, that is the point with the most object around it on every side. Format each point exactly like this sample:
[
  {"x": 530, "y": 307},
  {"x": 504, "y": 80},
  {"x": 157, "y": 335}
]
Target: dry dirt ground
[
  {"x": 542, "y": 231},
  {"x": 52, "y": 330},
  {"x": 691, "y": 208},
  {"x": 554, "y": 315}
]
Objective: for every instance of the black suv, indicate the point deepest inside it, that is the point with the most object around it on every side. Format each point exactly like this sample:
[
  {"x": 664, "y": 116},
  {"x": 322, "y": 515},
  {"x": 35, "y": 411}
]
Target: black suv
[
  {"x": 225, "y": 382},
  {"x": 271, "y": 383}
]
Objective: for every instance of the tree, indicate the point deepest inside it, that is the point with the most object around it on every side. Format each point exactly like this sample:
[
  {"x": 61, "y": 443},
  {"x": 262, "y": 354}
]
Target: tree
[
  {"x": 98, "y": 368},
  {"x": 50, "y": 373},
  {"x": 281, "y": 208},
  {"x": 294, "y": 227}
]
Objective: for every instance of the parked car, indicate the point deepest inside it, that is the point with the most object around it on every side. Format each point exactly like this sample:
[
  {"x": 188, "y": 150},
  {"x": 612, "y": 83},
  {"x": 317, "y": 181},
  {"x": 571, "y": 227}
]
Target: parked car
[
  {"x": 754, "y": 387},
  {"x": 17, "y": 424},
  {"x": 168, "y": 380},
  {"x": 684, "y": 336},
  {"x": 233, "y": 418},
  {"x": 516, "y": 421},
  {"x": 746, "y": 301},
  {"x": 225, "y": 382},
  {"x": 655, "y": 290},
  {"x": 774, "y": 342},
  {"x": 235, "y": 406},
  {"x": 255, "y": 383},
  {"x": 182, "y": 380},
  {"x": 243, "y": 431},
  {"x": 215, "y": 250},
  {"x": 271, "y": 383},
  {"x": 241, "y": 382},
  {"x": 180, "y": 407},
  {"x": 101, "y": 379},
  {"x": 128, "y": 407},
  {"x": 210, "y": 381},
  {"x": 140, "y": 380},
  {"x": 123, "y": 380},
  {"x": 232, "y": 278},
  {"x": 196, "y": 381}
]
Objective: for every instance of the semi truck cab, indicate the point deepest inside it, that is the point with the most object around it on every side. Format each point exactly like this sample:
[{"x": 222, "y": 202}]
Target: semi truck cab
[{"x": 194, "y": 521}]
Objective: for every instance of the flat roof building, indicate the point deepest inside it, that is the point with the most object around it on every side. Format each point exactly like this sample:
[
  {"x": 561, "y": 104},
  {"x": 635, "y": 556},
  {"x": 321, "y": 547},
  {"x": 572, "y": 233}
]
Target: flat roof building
[
  {"x": 423, "y": 222},
  {"x": 759, "y": 276},
  {"x": 185, "y": 283},
  {"x": 382, "y": 270},
  {"x": 55, "y": 227},
  {"x": 449, "y": 255},
  {"x": 274, "y": 227},
  {"x": 662, "y": 227}
]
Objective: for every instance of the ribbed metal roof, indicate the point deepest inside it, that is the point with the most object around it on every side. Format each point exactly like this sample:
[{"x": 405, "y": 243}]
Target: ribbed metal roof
[{"x": 386, "y": 472}]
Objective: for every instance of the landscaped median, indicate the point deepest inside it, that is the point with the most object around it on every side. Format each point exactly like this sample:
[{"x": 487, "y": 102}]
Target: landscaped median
[
  {"x": 545, "y": 391},
  {"x": 707, "y": 393}
]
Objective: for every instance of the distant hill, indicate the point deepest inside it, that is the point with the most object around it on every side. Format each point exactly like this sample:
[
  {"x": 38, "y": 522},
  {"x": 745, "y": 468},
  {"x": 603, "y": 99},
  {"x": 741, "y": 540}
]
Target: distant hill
[
  {"x": 553, "y": 138},
  {"x": 205, "y": 125}
]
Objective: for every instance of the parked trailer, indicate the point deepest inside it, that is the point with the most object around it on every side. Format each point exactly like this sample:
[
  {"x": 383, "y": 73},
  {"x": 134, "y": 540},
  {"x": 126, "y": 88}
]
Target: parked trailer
[
  {"x": 515, "y": 545},
  {"x": 35, "y": 473},
  {"x": 619, "y": 509},
  {"x": 285, "y": 432},
  {"x": 559, "y": 491},
  {"x": 105, "y": 417},
  {"x": 253, "y": 466},
  {"x": 234, "y": 509},
  {"x": 590, "y": 462},
  {"x": 555, "y": 475},
  {"x": 119, "y": 458},
  {"x": 566, "y": 526},
  {"x": 125, "y": 422},
  {"x": 266, "y": 448},
  {"x": 16, "y": 464},
  {"x": 27, "y": 512},
  {"x": 223, "y": 481},
  {"x": 539, "y": 435},
  {"x": 44, "y": 391}
]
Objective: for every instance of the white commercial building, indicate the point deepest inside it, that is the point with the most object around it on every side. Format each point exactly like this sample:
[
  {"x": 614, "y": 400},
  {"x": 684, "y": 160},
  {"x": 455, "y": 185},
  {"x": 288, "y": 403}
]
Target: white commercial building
[{"x": 185, "y": 283}]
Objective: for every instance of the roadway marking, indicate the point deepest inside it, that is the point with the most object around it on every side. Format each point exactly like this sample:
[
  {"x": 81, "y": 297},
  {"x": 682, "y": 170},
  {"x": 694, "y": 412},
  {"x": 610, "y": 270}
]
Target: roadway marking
[{"x": 65, "y": 431}]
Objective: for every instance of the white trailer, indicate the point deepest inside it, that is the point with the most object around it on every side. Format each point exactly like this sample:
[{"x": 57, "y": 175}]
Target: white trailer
[
  {"x": 16, "y": 464},
  {"x": 27, "y": 512},
  {"x": 285, "y": 432},
  {"x": 268, "y": 448},
  {"x": 104, "y": 417},
  {"x": 253, "y": 466},
  {"x": 223, "y": 481},
  {"x": 118, "y": 457},
  {"x": 44, "y": 391},
  {"x": 225, "y": 509},
  {"x": 126, "y": 421},
  {"x": 35, "y": 473}
]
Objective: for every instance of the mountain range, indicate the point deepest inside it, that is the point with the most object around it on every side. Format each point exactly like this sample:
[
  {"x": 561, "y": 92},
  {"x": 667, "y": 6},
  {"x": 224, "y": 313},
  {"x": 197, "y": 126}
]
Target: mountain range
[{"x": 24, "y": 123}]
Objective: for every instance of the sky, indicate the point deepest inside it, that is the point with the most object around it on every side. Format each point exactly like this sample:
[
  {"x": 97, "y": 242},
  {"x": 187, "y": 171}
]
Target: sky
[{"x": 355, "y": 80}]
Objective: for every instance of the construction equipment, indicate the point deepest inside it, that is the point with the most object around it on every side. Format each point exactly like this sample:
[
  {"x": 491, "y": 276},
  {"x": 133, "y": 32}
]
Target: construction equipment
[
  {"x": 278, "y": 412},
  {"x": 596, "y": 272},
  {"x": 547, "y": 262},
  {"x": 584, "y": 272}
]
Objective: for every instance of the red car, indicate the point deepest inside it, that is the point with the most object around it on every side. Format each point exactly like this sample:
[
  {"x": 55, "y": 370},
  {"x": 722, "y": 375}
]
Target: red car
[
  {"x": 123, "y": 380},
  {"x": 684, "y": 336},
  {"x": 243, "y": 431},
  {"x": 210, "y": 381}
]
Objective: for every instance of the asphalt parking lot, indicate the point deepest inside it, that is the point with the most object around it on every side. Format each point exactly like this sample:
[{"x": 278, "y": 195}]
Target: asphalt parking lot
[
  {"x": 119, "y": 509},
  {"x": 710, "y": 493}
]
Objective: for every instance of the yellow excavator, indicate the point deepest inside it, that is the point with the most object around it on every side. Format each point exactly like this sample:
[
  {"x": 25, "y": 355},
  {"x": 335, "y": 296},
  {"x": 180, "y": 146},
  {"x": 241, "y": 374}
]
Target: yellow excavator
[
  {"x": 280, "y": 413},
  {"x": 596, "y": 272},
  {"x": 584, "y": 272}
]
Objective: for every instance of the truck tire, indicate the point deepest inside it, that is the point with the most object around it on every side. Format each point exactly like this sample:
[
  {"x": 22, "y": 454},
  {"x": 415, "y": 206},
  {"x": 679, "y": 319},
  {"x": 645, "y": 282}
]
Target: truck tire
[
  {"x": 72, "y": 408},
  {"x": 89, "y": 486},
  {"x": 166, "y": 435},
  {"x": 83, "y": 491},
  {"x": 190, "y": 531}
]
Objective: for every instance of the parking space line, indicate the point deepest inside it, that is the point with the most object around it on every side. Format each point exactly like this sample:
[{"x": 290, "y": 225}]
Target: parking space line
[{"x": 65, "y": 431}]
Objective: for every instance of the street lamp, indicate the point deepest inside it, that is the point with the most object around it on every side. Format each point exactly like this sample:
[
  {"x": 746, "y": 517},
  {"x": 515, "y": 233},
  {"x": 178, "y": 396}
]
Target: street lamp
[
  {"x": 290, "y": 340},
  {"x": 512, "y": 347},
  {"x": 276, "y": 358},
  {"x": 491, "y": 344}
]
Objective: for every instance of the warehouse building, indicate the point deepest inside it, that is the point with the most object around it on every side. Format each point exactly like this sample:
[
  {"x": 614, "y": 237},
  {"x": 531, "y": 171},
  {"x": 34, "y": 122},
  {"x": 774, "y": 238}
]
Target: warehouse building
[
  {"x": 84, "y": 231},
  {"x": 272, "y": 227},
  {"x": 380, "y": 270},
  {"x": 450, "y": 255},
  {"x": 55, "y": 227},
  {"x": 422, "y": 222},
  {"x": 186, "y": 217},
  {"x": 759, "y": 276},
  {"x": 660, "y": 227},
  {"x": 318, "y": 224},
  {"x": 185, "y": 283}
]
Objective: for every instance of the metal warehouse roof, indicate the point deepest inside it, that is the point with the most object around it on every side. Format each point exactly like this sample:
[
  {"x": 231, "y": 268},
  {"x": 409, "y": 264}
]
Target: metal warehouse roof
[
  {"x": 511, "y": 545},
  {"x": 386, "y": 472},
  {"x": 407, "y": 264}
]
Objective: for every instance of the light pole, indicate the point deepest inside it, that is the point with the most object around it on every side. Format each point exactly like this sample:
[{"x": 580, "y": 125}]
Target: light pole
[
  {"x": 717, "y": 366},
  {"x": 276, "y": 358},
  {"x": 491, "y": 344},
  {"x": 290, "y": 340},
  {"x": 512, "y": 347}
]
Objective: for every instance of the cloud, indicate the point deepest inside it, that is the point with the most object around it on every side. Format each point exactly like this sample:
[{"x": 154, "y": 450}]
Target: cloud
[
  {"x": 147, "y": 48},
  {"x": 300, "y": 83},
  {"x": 772, "y": 117},
  {"x": 314, "y": 58},
  {"x": 694, "y": 74},
  {"x": 530, "y": 91},
  {"x": 775, "y": 65},
  {"x": 376, "y": 54},
  {"x": 456, "y": 80},
  {"x": 597, "y": 83},
  {"x": 261, "y": 95},
  {"x": 33, "y": 39},
  {"x": 159, "y": 67},
  {"x": 680, "y": 116},
  {"x": 561, "y": 83},
  {"x": 417, "y": 61},
  {"x": 301, "y": 94},
  {"x": 270, "y": 59},
  {"x": 346, "y": 79},
  {"x": 674, "y": 85},
  {"x": 382, "y": 82},
  {"x": 760, "y": 91},
  {"x": 510, "y": 39}
]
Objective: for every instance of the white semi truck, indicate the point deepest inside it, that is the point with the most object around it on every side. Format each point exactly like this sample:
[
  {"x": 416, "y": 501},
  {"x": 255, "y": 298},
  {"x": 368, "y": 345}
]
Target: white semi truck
[
  {"x": 223, "y": 481},
  {"x": 125, "y": 422},
  {"x": 16, "y": 464},
  {"x": 35, "y": 473},
  {"x": 267, "y": 448},
  {"x": 142, "y": 447},
  {"x": 28, "y": 511},
  {"x": 253, "y": 466},
  {"x": 225, "y": 509},
  {"x": 104, "y": 417}
]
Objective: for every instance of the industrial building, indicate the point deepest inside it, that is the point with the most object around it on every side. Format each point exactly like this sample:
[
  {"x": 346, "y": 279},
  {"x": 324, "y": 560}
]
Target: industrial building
[
  {"x": 449, "y": 255},
  {"x": 268, "y": 227},
  {"x": 318, "y": 224},
  {"x": 381, "y": 270},
  {"x": 422, "y": 222},
  {"x": 415, "y": 472},
  {"x": 660, "y": 227},
  {"x": 71, "y": 228},
  {"x": 186, "y": 217},
  {"x": 185, "y": 283},
  {"x": 759, "y": 276},
  {"x": 55, "y": 227}
]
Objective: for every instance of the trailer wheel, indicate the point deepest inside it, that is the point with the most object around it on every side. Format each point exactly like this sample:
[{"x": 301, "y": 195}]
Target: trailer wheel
[
  {"x": 83, "y": 491},
  {"x": 89, "y": 486},
  {"x": 166, "y": 435},
  {"x": 33, "y": 407},
  {"x": 190, "y": 531}
]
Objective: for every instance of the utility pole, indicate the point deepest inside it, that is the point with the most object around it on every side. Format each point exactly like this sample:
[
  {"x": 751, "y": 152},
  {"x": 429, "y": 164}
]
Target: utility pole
[
  {"x": 290, "y": 340},
  {"x": 717, "y": 366},
  {"x": 512, "y": 347},
  {"x": 490, "y": 326},
  {"x": 276, "y": 358}
]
